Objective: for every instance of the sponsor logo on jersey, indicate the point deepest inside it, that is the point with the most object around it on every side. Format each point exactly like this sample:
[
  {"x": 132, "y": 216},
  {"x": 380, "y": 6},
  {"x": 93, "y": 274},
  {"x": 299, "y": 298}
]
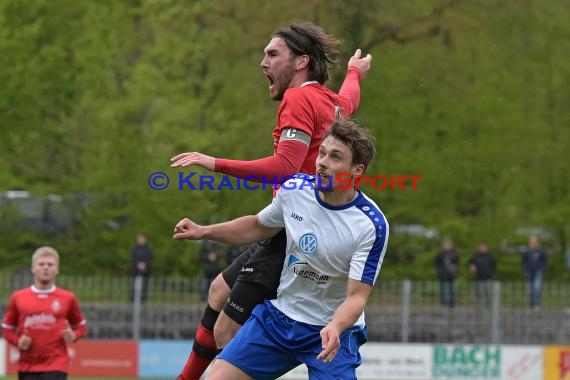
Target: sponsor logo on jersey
[
  {"x": 296, "y": 217},
  {"x": 308, "y": 244},
  {"x": 310, "y": 275},
  {"x": 294, "y": 260},
  {"x": 39, "y": 321},
  {"x": 246, "y": 269},
  {"x": 296, "y": 266}
]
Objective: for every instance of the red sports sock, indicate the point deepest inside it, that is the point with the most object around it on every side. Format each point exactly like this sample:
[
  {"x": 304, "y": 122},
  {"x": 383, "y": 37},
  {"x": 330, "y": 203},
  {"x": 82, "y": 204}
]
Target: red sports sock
[{"x": 196, "y": 364}]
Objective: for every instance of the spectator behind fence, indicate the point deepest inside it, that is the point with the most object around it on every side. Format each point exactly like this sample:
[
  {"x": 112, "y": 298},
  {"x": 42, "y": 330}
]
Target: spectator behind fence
[
  {"x": 210, "y": 253},
  {"x": 142, "y": 257},
  {"x": 533, "y": 264},
  {"x": 447, "y": 266},
  {"x": 41, "y": 320},
  {"x": 483, "y": 265},
  {"x": 233, "y": 252}
]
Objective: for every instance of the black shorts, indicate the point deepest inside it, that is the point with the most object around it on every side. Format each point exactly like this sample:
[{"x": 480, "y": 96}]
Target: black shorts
[
  {"x": 254, "y": 276},
  {"x": 51, "y": 375}
]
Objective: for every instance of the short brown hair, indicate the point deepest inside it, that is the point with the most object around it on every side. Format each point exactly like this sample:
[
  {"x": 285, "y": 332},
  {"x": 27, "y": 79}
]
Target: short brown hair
[
  {"x": 305, "y": 38},
  {"x": 357, "y": 139}
]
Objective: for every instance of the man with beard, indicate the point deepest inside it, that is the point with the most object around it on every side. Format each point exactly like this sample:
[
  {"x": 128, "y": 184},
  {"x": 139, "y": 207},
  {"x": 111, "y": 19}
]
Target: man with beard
[
  {"x": 336, "y": 241},
  {"x": 296, "y": 62}
]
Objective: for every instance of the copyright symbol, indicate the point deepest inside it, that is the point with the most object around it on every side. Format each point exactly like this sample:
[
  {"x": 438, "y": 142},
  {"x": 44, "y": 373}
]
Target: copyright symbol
[{"x": 158, "y": 181}]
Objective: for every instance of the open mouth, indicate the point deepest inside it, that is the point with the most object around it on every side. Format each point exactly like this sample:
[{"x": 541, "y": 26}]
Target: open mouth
[{"x": 270, "y": 79}]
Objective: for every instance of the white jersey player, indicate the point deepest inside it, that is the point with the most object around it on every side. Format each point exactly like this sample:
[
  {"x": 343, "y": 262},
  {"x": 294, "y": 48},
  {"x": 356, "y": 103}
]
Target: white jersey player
[
  {"x": 325, "y": 245},
  {"x": 336, "y": 240}
]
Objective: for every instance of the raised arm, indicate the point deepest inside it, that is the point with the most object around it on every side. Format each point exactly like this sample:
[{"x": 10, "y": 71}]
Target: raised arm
[{"x": 350, "y": 90}]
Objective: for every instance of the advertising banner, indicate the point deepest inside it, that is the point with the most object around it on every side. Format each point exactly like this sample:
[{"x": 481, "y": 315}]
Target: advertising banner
[
  {"x": 93, "y": 358},
  {"x": 557, "y": 362},
  {"x": 464, "y": 362},
  {"x": 386, "y": 362},
  {"x": 522, "y": 363},
  {"x": 467, "y": 362},
  {"x": 395, "y": 361},
  {"x": 2, "y": 357},
  {"x": 163, "y": 358},
  {"x": 445, "y": 362}
]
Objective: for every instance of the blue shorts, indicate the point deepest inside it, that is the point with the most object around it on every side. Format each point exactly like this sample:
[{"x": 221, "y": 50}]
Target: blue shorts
[{"x": 270, "y": 344}]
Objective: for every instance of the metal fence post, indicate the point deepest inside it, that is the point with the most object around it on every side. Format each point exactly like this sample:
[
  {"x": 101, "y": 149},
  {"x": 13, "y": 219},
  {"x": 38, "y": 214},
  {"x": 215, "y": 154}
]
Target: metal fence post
[
  {"x": 496, "y": 313},
  {"x": 406, "y": 299},
  {"x": 137, "y": 295}
]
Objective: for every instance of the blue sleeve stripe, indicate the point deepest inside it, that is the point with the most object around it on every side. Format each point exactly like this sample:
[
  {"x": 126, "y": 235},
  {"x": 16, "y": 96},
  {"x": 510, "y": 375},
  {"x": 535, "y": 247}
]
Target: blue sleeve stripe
[{"x": 376, "y": 254}]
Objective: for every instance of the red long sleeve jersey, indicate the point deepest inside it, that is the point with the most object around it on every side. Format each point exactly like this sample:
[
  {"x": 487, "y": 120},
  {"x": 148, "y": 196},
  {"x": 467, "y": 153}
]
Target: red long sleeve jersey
[
  {"x": 43, "y": 314},
  {"x": 311, "y": 108}
]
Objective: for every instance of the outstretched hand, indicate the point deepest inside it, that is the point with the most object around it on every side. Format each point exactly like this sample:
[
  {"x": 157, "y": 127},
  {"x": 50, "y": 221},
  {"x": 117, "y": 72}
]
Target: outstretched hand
[
  {"x": 193, "y": 158},
  {"x": 363, "y": 64},
  {"x": 187, "y": 229}
]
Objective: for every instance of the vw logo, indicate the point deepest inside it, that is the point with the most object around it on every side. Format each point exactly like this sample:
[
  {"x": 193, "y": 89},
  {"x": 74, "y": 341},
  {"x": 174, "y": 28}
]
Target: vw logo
[{"x": 308, "y": 244}]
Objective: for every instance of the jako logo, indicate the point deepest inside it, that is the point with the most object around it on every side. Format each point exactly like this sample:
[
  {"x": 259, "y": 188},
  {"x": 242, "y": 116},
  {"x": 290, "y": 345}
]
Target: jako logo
[
  {"x": 297, "y": 217},
  {"x": 235, "y": 306}
]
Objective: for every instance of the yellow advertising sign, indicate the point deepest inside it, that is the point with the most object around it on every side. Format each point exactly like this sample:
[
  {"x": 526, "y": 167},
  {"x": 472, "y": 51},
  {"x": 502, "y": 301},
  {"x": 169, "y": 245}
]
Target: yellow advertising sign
[{"x": 557, "y": 362}]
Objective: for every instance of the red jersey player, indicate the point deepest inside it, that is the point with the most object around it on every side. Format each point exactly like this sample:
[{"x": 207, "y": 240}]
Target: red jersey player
[
  {"x": 296, "y": 63},
  {"x": 41, "y": 320}
]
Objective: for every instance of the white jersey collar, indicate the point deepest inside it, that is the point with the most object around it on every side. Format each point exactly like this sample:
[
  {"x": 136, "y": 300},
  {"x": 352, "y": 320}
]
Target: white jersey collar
[
  {"x": 309, "y": 82},
  {"x": 43, "y": 291}
]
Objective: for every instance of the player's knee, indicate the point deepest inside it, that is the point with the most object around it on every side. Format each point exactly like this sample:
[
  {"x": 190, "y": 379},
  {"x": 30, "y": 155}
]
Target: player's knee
[
  {"x": 224, "y": 330},
  {"x": 218, "y": 293},
  {"x": 223, "y": 370}
]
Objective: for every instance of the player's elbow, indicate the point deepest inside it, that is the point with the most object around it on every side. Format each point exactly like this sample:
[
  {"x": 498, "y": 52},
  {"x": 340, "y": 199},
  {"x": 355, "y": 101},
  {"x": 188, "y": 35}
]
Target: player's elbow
[{"x": 263, "y": 232}]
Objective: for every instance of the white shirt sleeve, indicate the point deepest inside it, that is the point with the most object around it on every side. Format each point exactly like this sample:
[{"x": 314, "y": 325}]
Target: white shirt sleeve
[
  {"x": 367, "y": 260},
  {"x": 272, "y": 215}
]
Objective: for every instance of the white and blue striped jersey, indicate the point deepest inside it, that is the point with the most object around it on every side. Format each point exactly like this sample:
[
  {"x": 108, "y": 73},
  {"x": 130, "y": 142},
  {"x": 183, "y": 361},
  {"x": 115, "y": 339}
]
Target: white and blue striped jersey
[{"x": 326, "y": 245}]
